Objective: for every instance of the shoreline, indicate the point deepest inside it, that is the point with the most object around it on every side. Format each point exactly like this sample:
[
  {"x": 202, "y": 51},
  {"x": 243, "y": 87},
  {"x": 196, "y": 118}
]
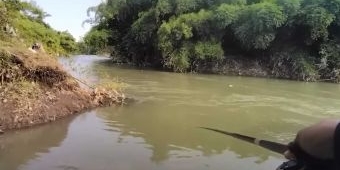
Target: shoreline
[
  {"x": 35, "y": 89},
  {"x": 242, "y": 68}
]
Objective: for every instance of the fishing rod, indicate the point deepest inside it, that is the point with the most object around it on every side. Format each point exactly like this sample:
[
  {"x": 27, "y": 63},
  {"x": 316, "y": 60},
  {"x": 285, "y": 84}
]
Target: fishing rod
[{"x": 272, "y": 146}]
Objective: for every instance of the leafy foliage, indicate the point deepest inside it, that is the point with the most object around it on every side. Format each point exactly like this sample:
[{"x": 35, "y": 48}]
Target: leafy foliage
[
  {"x": 176, "y": 34},
  {"x": 3, "y": 17},
  {"x": 27, "y": 20},
  {"x": 290, "y": 7},
  {"x": 209, "y": 50},
  {"x": 329, "y": 67},
  {"x": 257, "y": 25},
  {"x": 226, "y": 14},
  {"x": 317, "y": 20},
  {"x": 67, "y": 42},
  {"x": 96, "y": 40}
]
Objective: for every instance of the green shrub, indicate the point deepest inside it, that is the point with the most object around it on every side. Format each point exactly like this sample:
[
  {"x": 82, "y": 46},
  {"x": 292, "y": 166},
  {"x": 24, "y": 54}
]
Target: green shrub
[
  {"x": 209, "y": 50},
  {"x": 27, "y": 19},
  {"x": 257, "y": 25},
  {"x": 176, "y": 34}
]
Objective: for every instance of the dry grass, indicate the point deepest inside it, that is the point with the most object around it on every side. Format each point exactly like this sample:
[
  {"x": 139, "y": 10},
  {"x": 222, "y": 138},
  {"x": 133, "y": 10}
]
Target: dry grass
[
  {"x": 34, "y": 60},
  {"x": 107, "y": 82},
  {"x": 23, "y": 90},
  {"x": 31, "y": 59},
  {"x": 19, "y": 63},
  {"x": 23, "y": 95},
  {"x": 34, "y": 89},
  {"x": 112, "y": 85},
  {"x": 9, "y": 70}
]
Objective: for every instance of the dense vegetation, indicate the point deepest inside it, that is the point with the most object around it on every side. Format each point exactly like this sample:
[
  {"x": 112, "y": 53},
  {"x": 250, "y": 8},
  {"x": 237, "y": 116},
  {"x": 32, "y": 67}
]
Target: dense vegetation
[
  {"x": 296, "y": 39},
  {"x": 24, "y": 20}
]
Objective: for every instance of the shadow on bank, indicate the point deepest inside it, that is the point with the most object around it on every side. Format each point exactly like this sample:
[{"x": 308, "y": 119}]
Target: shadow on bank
[{"x": 19, "y": 147}]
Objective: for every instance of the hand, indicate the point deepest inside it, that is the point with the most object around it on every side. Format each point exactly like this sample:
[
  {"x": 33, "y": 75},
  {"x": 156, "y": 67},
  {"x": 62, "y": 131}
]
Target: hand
[{"x": 317, "y": 140}]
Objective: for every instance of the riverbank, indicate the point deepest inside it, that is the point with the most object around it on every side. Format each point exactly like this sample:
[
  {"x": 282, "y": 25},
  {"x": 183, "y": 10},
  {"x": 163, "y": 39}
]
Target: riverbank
[
  {"x": 279, "y": 67},
  {"x": 34, "y": 89},
  {"x": 267, "y": 39}
]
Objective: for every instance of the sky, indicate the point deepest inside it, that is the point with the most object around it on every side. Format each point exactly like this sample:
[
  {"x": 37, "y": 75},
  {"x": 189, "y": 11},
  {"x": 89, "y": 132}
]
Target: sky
[{"x": 68, "y": 14}]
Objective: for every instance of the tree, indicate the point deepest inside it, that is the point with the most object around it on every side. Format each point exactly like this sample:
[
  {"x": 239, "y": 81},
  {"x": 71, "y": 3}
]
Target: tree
[
  {"x": 33, "y": 11},
  {"x": 96, "y": 41},
  {"x": 257, "y": 25},
  {"x": 27, "y": 19},
  {"x": 177, "y": 34},
  {"x": 67, "y": 42}
]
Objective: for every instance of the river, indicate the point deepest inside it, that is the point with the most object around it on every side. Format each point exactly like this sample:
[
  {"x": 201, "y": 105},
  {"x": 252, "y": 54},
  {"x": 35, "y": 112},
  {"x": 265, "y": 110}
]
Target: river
[{"x": 160, "y": 131}]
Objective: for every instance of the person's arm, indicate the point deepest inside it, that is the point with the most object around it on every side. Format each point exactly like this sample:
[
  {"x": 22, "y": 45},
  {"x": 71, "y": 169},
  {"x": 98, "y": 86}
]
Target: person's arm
[{"x": 320, "y": 141}]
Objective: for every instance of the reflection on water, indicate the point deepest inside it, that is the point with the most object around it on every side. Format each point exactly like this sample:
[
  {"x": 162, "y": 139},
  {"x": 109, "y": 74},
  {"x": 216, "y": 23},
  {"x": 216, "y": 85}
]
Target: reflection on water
[
  {"x": 18, "y": 147},
  {"x": 160, "y": 130}
]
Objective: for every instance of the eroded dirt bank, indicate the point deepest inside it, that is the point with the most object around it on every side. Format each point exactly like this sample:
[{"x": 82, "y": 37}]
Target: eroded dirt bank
[{"x": 34, "y": 89}]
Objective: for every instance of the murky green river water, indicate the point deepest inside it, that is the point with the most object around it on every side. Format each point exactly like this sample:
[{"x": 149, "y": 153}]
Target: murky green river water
[{"x": 160, "y": 131}]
